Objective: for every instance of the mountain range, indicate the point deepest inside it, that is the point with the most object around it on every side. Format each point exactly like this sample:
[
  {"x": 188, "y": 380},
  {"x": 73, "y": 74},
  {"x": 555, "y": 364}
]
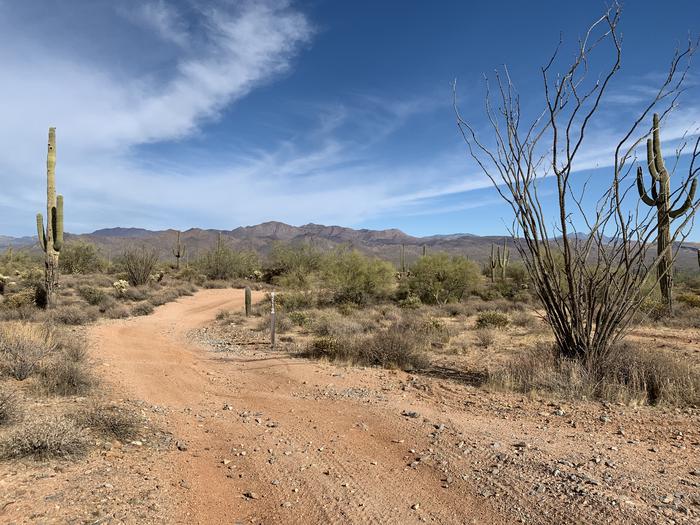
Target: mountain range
[{"x": 261, "y": 237}]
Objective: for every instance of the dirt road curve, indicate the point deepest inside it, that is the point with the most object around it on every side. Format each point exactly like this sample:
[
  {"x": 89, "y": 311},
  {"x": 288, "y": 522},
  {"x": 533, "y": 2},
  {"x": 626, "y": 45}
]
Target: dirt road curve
[{"x": 265, "y": 441}]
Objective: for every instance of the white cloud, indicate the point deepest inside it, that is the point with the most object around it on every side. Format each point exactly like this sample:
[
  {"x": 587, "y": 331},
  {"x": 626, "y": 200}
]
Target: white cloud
[{"x": 163, "y": 18}]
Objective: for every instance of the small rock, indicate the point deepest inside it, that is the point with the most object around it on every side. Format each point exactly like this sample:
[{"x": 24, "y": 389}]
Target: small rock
[
  {"x": 137, "y": 443},
  {"x": 251, "y": 495},
  {"x": 415, "y": 506},
  {"x": 181, "y": 445},
  {"x": 410, "y": 413}
]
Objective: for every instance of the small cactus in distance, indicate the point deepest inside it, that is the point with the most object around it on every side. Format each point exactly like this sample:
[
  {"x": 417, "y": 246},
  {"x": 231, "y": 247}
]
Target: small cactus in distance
[
  {"x": 248, "y": 301},
  {"x": 661, "y": 199},
  {"x": 403, "y": 258},
  {"x": 493, "y": 263},
  {"x": 178, "y": 251},
  {"x": 51, "y": 237},
  {"x": 503, "y": 259}
]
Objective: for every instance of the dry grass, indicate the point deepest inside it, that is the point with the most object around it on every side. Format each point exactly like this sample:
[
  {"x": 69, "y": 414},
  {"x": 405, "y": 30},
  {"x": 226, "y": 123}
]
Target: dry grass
[
  {"x": 23, "y": 347},
  {"x": 109, "y": 421},
  {"x": 53, "y": 437},
  {"x": 485, "y": 337},
  {"x": 389, "y": 348},
  {"x": 143, "y": 308},
  {"x": 9, "y": 407},
  {"x": 629, "y": 375},
  {"x": 75, "y": 315}
]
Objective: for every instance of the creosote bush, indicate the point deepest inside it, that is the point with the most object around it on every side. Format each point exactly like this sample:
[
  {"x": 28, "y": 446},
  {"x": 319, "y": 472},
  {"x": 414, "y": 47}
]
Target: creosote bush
[
  {"x": 441, "y": 278},
  {"x": 79, "y": 257},
  {"x": 54, "y": 437}
]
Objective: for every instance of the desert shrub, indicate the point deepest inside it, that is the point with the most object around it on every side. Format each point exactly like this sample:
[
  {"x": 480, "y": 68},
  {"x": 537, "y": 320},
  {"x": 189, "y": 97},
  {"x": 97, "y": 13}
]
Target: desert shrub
[
  {"x": 191, "y": 275},
  {"x": 185, "y": 289},
  {"x": 440, "y": 278},
  {"x": 9, "y": 407},
  {"x": 485, "y": 337},
  {"x": 394, "y": 348},
  {"x": 81, "y": 257},
  {"x": 53, "y": 437},
  {"x": 492, "y": 319},
  {"x": 524, "y": 320},
  {"x": 163, "y": 297},
  {"x": 23, "y": 346},
  {"x": 427, "y": 330},
  {"x": 215, "y": 284},
  {"x": 91, "y": 294},
  {"x": 410, "y": 302},
  {"x": 74, "y": 315},
  {"x": 117, "y": 311},
  {"x": 63, "y": 377},
  {"x": 282, "y": 323},
  {"x": 134, "y": 294},
  {"x": 296, "y": 300},
  {"x": 143, "y": 308},
  {"x": 22, "y": 298},
  {"x": 332, "y": 323},
  {"x": 626, "y": 374},
  {"x": 691, "y": 299},
  {"x": 292, "y": 266},
  {"x": 109, "y": 421},
  {"x": 139, "y": 263},
  {"x": 223, "y": 263},
  {"x": 389, "y": 348},
  {"x": 299, "y": 318},
  {"x": 351, "y": 277},
  {"x": 22, "y": 313}
]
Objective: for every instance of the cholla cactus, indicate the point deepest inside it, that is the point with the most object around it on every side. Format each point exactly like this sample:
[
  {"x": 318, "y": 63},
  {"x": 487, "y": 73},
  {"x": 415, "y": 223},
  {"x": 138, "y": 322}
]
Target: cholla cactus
[
  {"x": 120, "y": 287},
  {"x": 257, "y": 275}
]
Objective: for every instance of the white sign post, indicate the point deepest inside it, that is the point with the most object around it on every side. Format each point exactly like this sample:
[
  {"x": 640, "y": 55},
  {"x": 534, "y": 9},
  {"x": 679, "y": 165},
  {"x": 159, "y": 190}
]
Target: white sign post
[{"x": 272, "y": 322}]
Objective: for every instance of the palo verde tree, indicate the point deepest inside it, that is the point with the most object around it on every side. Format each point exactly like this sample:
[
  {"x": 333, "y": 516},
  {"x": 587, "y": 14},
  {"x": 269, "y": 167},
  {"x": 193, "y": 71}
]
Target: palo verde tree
[
  {"x": 660, "y": 198},
  {"x": 51, "y": 238},
  {"x": 588, "y": 264}
]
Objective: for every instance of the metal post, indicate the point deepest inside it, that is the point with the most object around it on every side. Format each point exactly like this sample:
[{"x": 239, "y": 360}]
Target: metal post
[{"x": 272, "y": 322}]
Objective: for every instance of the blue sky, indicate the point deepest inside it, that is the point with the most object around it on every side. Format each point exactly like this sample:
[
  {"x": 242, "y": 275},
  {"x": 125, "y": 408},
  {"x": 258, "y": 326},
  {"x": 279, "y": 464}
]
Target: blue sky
[{"x": 174, "y": 114}]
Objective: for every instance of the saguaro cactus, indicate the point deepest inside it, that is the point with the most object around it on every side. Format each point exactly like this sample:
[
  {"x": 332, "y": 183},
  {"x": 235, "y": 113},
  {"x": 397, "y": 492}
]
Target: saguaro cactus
[
  {"x": 661, "y": 197},
  {"x": 51, "y": 238},
  {"x": 248, "y": 301},
  {"x": 503, "y": 259},
  {"x": 403, "y": 258},
  {"x": 493, "y": 262},
  {"x": 178, "y": 251}
]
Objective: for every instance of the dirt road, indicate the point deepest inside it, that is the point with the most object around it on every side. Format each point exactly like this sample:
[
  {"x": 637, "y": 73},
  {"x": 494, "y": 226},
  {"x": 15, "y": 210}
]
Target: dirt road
[
  {"x": 261, "y": 446},
  {"x": 269, "y": 438}
]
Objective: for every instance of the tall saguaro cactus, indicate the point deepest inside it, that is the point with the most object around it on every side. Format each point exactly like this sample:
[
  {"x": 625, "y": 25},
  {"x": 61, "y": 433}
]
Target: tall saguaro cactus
[
  {"x": 403, "y": 258},
  {"x": 503, "y": 259},
  {"x": 493, "y": 263},
  {"x": 661, "y": 198},
  {"x": 178, "y": 251},
  {"x": 51, "y": 238}
]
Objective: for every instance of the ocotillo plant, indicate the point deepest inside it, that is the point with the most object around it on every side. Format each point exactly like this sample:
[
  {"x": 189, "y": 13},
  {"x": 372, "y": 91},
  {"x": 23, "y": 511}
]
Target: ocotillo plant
[
  {"x": 178, "y": 251},
  {"x": 51, "y": 238},
  {"x": 503, "y": 259},
  {"x": 661, "y": 198},
  {"x": 248, "y": 301},
  {"x": 493, "y": 263}
]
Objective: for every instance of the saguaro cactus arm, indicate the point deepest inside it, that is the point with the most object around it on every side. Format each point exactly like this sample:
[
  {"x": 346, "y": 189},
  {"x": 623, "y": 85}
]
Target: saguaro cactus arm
[
  {"x": 649, "y": 201},
  {"x": 40, "y": 231},
  {"x": 688, "y": 201},
  {"x": 57, "y": 223}
]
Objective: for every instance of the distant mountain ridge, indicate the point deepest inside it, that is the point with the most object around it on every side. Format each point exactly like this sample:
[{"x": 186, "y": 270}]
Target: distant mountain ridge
[{"x": 261, "y": 237}]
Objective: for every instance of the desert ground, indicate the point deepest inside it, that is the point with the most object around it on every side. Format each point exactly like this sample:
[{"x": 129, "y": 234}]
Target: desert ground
[{"x": 235, "y": 432}]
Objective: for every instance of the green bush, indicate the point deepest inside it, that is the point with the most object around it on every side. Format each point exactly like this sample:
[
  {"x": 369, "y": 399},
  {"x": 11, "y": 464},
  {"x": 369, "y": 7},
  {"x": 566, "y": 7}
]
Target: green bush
[
  {"x": 440, "y": 278},
  {"x": 293, "y": 266},
  {"x": 81, "y": 257},
  {"x": 223, "y": 263},
  {"x": 351, "y": 277},
  {"x": 492, "y": 319},
  {"x": 92, "y": 295}
]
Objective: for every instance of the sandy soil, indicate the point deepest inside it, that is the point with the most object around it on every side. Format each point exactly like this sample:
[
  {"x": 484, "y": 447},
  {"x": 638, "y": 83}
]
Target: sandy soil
[{"x": 255, "y": 436}]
